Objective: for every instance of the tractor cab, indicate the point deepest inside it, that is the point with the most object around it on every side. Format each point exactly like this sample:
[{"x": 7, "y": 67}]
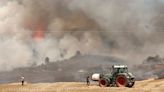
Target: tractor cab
[{"x": 116, "y": 69}]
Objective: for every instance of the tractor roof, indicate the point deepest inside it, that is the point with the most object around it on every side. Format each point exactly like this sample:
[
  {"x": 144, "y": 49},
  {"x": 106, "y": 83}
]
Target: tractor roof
[{"x": 119, "y": 66}]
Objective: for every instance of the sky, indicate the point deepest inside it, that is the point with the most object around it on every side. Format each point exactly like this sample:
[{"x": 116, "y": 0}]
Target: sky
[{"x": 161, "y": 1}]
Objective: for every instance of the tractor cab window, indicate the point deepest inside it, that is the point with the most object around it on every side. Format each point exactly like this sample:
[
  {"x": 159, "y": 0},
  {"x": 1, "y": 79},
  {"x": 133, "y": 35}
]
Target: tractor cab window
[
  {"x": 122, "y": 70},
  {"x": 113, "y": 71},
  {"x": 126, "y": 69}
]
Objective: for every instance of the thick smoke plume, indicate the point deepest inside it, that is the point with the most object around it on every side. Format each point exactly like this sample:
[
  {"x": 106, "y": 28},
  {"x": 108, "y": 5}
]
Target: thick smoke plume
[{"x": 31, "y": 30}]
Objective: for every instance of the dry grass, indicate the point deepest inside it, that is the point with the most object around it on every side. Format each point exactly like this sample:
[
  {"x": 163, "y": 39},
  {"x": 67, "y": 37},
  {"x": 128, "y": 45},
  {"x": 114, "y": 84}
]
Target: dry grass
[{"x": 140, "y": 86}]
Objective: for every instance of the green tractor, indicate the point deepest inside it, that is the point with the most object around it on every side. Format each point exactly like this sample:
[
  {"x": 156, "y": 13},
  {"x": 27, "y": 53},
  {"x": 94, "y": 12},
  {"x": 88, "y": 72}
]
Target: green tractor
[{"x": 119, "y": 77}]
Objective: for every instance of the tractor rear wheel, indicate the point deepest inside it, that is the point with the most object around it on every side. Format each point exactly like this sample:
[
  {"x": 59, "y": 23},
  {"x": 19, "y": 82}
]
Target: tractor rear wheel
[
  {"x": 121, "y": 81},
  {"x": 103, "y": 83}
]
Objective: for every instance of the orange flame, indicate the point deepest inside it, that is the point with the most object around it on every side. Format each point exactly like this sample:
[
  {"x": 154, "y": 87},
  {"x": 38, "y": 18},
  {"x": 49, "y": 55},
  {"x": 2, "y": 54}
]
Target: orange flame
[{"x": 39, "y": 32}]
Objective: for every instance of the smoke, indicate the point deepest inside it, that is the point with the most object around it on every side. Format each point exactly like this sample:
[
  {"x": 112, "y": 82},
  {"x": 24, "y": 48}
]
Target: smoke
[
  {"x": 31, "y": 30},
  {"x": 130, "y": 28}
]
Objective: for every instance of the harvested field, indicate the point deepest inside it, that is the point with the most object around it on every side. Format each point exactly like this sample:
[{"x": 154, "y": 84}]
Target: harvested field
[{"x": 150, "y": 85}]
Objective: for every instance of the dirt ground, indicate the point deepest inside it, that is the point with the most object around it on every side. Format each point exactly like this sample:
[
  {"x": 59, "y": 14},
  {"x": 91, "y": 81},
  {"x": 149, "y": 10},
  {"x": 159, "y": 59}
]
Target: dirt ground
[{"x": 150, "y": 85}]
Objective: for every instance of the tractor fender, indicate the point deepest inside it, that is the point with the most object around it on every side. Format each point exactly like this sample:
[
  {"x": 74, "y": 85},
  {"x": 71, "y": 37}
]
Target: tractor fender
[{"x": 123, "y": 74}]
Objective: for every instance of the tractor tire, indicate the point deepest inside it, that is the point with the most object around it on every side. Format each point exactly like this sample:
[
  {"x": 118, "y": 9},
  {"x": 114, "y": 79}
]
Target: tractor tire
[
  {"x": 103, "y": 83},
  {"x": 121, "y": 81}
]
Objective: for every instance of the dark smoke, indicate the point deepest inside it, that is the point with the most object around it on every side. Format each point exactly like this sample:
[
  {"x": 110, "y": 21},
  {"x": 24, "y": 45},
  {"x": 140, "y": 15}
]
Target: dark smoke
[{"x": 129, "y": 29}]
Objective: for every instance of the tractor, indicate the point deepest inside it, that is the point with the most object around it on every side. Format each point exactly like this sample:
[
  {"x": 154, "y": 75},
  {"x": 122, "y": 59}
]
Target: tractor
[{"x": 119, "y": 77}]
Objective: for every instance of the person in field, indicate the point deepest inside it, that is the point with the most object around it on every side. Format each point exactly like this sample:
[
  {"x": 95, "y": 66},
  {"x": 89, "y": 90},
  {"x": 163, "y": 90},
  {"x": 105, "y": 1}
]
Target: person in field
[
  {"x": 22, "y": 80},
  {"x": 87, "y": 80}
]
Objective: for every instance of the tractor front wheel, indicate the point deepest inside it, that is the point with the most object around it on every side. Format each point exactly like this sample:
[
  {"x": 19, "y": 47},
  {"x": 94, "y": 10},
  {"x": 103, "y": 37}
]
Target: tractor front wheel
[
  {"x": 103, "y": 83},
  {"x": 130, "y": 84}
]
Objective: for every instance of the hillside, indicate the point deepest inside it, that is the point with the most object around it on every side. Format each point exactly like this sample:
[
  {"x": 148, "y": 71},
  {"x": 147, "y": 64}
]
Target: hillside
[
  {"x": 72, "y": 70},
  {"x": 77, "y": 68}
]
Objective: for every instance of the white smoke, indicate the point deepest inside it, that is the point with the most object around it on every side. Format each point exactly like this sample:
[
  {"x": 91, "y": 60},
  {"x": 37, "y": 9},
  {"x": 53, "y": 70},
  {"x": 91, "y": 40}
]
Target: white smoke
[
  {"x": 129, "y": 29},
  {"x": 129, "y": 26}
]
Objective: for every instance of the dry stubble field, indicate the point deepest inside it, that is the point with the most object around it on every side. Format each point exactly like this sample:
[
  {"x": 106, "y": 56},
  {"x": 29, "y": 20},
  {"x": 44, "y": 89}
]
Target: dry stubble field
[{"x": 140, "y": 86}]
